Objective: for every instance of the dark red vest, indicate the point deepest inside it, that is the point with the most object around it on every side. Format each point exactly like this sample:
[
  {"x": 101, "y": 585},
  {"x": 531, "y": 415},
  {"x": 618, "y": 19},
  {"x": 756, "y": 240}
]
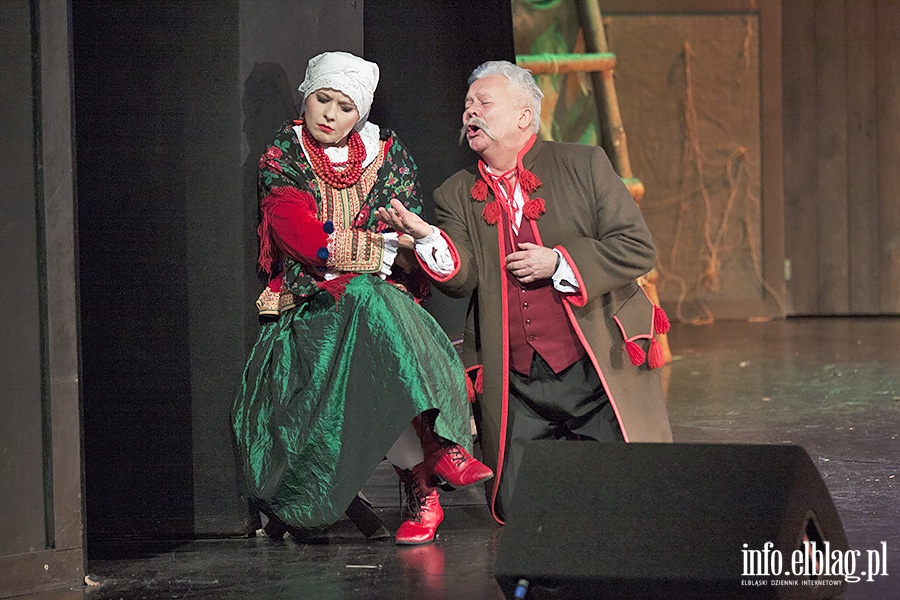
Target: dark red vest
[{"x": 537, "y": 319}]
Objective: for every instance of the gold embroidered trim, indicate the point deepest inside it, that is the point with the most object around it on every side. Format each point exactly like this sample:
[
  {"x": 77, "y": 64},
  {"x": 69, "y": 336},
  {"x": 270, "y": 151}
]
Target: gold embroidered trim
[
  {"x": 352, "y": 249},
  {"x": 273, "y": 304},
  {"x": 341, "y": 206},
  {"x": 356, "y": 251}
]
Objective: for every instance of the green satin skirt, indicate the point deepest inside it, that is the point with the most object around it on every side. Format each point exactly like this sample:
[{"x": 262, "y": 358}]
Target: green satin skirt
[{"x": 328, "y": 388}]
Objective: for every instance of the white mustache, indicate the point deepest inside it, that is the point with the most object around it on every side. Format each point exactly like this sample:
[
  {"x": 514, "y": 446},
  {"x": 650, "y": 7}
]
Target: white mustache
[{"x": 476, "y": 122}]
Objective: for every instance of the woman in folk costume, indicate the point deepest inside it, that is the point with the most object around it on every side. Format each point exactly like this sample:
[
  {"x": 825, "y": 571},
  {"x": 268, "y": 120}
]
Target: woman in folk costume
[{"x": 348, "y": 367}]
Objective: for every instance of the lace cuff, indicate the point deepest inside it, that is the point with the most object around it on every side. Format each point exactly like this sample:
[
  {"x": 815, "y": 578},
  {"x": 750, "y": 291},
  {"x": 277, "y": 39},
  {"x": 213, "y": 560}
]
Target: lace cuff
[{"x": 391, "y": 246}]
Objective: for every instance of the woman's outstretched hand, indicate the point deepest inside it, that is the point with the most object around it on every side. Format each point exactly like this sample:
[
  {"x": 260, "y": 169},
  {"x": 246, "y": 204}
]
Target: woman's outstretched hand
[{"x": 401, "y": 220}]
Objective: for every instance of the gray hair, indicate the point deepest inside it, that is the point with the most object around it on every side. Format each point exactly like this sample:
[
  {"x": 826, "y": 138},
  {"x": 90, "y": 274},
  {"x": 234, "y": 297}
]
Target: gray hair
[{"x": 520, "y": 82}]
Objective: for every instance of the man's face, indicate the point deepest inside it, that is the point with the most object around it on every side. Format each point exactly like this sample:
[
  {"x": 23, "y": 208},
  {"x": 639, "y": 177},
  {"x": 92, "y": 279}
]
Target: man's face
[
  {"x": 330, "y": 116},
  {"x": 489, "y": 100}
]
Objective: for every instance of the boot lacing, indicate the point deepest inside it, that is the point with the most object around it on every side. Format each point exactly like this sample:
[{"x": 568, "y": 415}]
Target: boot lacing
[
  {"x": 456, "y": 454},
  {"x": 414, "y": 496}
]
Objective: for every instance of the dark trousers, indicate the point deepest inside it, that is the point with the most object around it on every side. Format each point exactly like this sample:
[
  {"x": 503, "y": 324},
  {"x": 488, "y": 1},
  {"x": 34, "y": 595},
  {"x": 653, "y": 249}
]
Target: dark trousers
[{"x": 570, "y": 405}]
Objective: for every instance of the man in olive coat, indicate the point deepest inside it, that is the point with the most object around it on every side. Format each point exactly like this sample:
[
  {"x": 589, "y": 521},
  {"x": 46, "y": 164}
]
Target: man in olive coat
[{"x": 560, "y": 340}]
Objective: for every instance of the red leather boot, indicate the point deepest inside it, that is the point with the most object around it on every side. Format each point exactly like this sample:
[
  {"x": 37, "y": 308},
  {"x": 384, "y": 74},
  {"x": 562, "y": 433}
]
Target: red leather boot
[
  {"x": 421, "y": 510},
  {"x": 449, "y": 461}
]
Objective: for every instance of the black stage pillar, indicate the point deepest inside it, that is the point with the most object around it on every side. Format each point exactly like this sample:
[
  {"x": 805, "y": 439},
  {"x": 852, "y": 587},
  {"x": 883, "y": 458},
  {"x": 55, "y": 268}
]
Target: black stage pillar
[
  {"x": 174, "y": 103},
  {"x": 426, "y": 51}
]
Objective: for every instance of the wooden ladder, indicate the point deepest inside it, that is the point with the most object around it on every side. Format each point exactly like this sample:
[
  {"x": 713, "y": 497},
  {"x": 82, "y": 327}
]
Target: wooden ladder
[{"x": 600, "y": 63}]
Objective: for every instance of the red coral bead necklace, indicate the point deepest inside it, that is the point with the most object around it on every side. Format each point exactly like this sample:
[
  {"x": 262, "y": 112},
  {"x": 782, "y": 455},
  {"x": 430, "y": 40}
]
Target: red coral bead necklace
[{"x": 324, "y": 168}]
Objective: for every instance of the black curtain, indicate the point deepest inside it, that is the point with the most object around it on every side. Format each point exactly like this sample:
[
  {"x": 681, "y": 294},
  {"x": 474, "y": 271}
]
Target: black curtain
[{"x": 426, "y": 52}]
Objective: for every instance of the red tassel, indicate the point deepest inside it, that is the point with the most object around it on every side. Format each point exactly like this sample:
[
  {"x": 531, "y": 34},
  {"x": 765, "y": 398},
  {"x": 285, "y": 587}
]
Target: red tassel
[
  {"x": 661, "y": 323},
  {"x": 266, "y": 247},
  {"x": 528, "y": 180},
  {"x": 534, "y": 208},
  {"x": 635, "y": 353},
  {"x": 337, "y": 286},
  {"x": 491, "y": 212},
  {"x": 470, "y": 390},
  {"x": 479, "y": 381},
  {"x": 480, "y": 190},
  {"x": 655, "y": 359}
]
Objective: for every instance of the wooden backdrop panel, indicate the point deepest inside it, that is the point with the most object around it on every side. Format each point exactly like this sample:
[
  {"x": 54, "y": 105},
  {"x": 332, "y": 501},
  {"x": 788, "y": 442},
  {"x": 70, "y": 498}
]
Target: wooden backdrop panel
[
  {"x": 690, "y": 94},
  {"x": 831, "y": 138},
  {"x": 729, "y": 254},
  {"x": 887, "y": 19},
  {"x": 862, "y": 158},
  {"x": 800, "y": 193},
  {"x": 842, "y": 145}
]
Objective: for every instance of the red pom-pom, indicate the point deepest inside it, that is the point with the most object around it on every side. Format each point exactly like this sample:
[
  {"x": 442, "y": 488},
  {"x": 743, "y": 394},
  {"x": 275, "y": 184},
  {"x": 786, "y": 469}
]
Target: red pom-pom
[
  {"x": 480, "y": 190},
  {"x": 479, "y": 381},
  {"x": 661, "y": 323},
  {"x": 534, "y": 208},
  {"x": 491, "y": 212},
  {"x": 655, "y": 358},
  {"x": 528, "y": 180},
  {"x": 635, "y": 353},
  {"x": 470, "y": 390}
]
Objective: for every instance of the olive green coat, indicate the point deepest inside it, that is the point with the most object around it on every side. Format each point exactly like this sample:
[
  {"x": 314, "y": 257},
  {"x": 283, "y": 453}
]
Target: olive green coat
[{"x": 593, "y": 220}]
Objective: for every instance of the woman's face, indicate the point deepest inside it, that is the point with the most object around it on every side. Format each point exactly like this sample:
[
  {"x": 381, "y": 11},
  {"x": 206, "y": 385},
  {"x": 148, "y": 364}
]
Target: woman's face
[{"x": 330, "y": 116}]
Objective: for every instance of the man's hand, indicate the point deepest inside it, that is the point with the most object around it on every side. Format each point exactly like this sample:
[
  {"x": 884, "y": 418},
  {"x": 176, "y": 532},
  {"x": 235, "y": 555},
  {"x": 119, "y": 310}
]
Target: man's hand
[
  {"x": 532, "y": 263},
  {"x": 401, "y": 220}
]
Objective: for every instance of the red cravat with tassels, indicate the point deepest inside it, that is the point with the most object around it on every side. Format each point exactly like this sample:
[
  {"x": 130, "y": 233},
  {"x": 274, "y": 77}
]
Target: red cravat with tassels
[{"x": 504, "y": 190}]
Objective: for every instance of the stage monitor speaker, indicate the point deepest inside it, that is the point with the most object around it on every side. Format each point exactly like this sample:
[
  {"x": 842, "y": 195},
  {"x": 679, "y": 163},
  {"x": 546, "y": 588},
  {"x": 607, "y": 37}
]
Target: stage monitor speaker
[{"x": 670, "y": 521}]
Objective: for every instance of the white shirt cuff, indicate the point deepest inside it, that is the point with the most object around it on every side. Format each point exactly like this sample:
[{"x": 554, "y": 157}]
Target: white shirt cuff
[
  {"x": 564, "y": 279},
  {"x": 434, "y": 251}
]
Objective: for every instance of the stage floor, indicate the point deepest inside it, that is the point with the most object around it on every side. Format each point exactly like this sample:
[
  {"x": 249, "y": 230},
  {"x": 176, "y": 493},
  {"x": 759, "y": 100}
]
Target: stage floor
[{"x": 831, "y": 386}]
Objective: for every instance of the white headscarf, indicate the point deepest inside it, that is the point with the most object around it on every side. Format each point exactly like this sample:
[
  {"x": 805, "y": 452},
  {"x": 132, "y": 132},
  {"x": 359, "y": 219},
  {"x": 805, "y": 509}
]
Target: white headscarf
[{"x": 346, "y": 73}]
